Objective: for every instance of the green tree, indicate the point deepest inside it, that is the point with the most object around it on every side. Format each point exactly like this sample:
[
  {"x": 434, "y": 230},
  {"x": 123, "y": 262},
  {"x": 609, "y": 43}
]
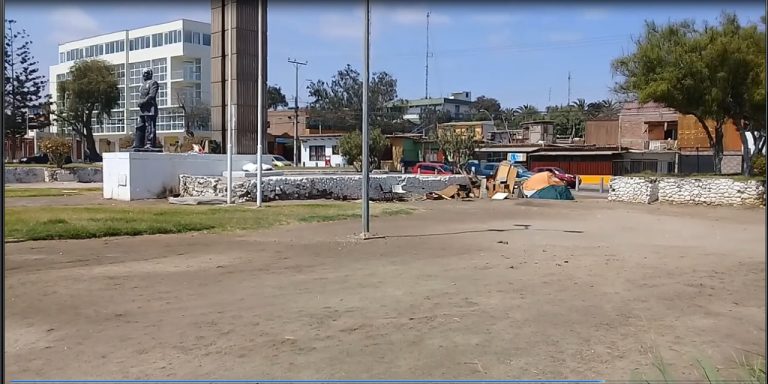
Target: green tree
[
  {"x": 457, "y": 145},
  {"x": 339, "y": 104},
  {"x": 351, "y": 147},
  {"x": 483, "y": 103},
  {"x": 711, "y": 73},
  {"x": 275, "y": 98},
  {"x": 90, "y": 93},
  {"x": 23, "y": 84}
]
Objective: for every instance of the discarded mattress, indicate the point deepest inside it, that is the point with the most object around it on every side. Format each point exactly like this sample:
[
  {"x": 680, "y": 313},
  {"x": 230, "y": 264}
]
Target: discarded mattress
[
  {"x": 544, "y": 185},
  {"x": 251, "y": 167}
]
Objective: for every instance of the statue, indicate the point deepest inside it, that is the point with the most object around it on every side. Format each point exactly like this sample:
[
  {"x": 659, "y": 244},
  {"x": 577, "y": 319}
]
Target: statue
[{"x": 145, "y": 138}]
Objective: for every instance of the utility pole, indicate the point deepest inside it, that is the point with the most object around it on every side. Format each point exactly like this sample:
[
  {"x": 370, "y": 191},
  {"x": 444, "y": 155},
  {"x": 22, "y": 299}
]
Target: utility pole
[
  {"x": 426, "y": 64},
  {"x": 366, "y": 78},
  {"x": 262, "y": 97},
  {"x": 296, "y": 64}
]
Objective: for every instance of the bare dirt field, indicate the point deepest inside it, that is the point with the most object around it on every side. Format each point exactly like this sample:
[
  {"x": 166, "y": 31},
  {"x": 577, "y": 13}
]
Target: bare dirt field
[{"x": 463, "y": 290}]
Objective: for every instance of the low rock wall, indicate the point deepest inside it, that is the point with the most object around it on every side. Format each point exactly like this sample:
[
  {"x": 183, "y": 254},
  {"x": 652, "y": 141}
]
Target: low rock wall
[
  {"x": 336, "y": 187},
  {"x": 47, "y": 175},
  {"x": 643, "y": 190},
  {"x": 679, "y": 190}
]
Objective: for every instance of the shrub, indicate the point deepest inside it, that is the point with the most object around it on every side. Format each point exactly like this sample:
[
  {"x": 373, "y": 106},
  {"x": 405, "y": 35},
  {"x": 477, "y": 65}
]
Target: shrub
[
  {"x": 351, "y": 147},
  {"x": 57, "y": 148},
  {"x": 758, "y": 165}
]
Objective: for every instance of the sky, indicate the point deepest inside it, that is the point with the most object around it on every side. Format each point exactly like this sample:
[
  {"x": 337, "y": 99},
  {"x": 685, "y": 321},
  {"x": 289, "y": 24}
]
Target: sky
[{"x": 518, "y": 53}]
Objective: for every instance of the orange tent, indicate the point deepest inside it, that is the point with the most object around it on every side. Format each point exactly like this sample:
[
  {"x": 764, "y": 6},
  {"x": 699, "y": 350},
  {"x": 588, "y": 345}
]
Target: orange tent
[{"x": 539, "y": 181}]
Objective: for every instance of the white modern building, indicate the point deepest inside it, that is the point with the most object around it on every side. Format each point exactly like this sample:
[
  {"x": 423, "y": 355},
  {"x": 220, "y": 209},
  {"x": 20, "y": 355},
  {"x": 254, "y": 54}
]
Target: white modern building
[{"x": 179, "y": 54}]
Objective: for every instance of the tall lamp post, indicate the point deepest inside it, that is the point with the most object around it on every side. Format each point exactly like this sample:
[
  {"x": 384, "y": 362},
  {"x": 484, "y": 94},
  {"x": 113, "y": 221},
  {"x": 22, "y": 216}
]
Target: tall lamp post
[{"x": 366, "y": 76}]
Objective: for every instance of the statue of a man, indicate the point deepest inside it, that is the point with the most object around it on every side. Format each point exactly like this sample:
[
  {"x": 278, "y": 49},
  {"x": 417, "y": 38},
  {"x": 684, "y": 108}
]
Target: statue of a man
[{"x": 146, "y": 132}]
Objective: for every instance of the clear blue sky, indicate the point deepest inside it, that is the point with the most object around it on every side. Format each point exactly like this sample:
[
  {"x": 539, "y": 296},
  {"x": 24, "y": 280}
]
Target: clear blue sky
[{"x": 515, "y": 52}]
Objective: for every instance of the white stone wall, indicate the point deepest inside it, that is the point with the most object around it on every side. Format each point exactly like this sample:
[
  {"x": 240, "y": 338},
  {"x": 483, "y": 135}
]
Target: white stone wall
[
  {"x": 337, "y": 187},
  {"x": 643, "y": 190},
  {"x": 47, "y": 175},
  {"x": 680, "y": 190},
  {"x": 711, "y": 191}
]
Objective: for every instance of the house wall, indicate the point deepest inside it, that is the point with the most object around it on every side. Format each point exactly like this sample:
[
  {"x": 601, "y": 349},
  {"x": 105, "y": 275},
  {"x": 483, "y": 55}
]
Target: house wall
[
  {"x": 691, "y": 135},
  {"x": 328, "y": 143},
  {"x": 632, "y": 122},
  {"x": 281, "y": 122},
  {"x": 602, "y": 132},
  {"x": 578, "y": 165}
]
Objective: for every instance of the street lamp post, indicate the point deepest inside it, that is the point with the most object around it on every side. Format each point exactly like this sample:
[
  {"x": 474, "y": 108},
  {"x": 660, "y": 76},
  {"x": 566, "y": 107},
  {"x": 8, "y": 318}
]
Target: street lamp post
[{"x": 366, "y": 76}]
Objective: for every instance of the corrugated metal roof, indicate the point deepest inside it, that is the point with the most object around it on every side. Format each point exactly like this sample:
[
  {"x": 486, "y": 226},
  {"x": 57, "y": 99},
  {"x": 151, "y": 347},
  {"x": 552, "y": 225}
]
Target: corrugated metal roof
[{"x": 508, "y": 149}]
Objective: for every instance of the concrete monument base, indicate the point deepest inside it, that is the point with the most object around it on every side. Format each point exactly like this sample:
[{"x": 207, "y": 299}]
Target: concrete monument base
[{"x": 146, "y": 175}]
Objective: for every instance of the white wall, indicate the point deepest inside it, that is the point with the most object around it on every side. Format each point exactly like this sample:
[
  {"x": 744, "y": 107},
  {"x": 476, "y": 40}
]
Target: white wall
[
  {"x": 140, "y": 175},
  {"x": 328, "y": 143}
]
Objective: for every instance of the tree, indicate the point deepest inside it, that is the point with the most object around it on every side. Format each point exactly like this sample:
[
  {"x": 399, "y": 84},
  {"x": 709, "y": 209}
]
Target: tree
[
  {"x": 275, "y": 98},
  {"x": 23, "y": 84},
  {"x": 489, "y": 104},
  {"x": 711, "y": 73},
  {"x": 351, "y": 147},
  {"x": 197, "y": 115},
  {"x": 340, "y": 103},
  {"x": 458, "y": 145},
  {"x": 523, "y": 113},
  {"x": 90, "y": 93}
]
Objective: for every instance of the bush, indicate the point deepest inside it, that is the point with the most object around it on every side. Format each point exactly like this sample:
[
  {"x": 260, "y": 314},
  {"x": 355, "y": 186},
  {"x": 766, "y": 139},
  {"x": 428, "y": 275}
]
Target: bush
[
  {"x": 351, "y": 147},
  {"x": 758, "y": 165},
  {"x": 57, "y": 148}
]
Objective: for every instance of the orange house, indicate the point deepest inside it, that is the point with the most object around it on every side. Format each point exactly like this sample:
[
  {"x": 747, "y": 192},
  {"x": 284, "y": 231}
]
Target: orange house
[{"x": 691, "y": 135}]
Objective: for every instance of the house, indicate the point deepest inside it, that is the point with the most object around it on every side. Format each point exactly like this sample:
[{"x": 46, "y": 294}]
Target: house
[
  {"x": 321, "y": 150},
  {"x": 650, "y": 126},
  {"x": 179, "y": 54},
  {"x": 458, "y": 106},
  {"x": 478, "y": 129},
  {"x": 530, "y": 132},
  {"x": 695, "y": 152},
  {"x": 603, "y": 132}
]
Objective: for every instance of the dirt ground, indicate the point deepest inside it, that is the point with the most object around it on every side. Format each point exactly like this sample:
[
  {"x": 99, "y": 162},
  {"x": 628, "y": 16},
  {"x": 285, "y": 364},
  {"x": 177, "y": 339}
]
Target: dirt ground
[{"x": 462, "y": 290}]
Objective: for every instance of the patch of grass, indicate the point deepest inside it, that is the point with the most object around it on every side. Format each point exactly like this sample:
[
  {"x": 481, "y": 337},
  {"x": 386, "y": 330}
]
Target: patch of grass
[
  {"x": 47, "y": 192},
  {"x": 747, "y": 372},
  {"x": 56, "y": 223}
]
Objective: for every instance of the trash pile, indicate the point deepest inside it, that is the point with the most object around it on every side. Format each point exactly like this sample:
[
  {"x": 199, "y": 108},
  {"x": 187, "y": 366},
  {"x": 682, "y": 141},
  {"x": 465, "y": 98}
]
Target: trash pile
[{"x": 504, "y": 184}]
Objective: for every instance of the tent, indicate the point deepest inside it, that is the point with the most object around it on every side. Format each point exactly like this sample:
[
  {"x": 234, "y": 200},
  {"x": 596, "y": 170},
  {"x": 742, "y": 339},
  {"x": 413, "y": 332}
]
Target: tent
[{"x": 544, "y": 185}]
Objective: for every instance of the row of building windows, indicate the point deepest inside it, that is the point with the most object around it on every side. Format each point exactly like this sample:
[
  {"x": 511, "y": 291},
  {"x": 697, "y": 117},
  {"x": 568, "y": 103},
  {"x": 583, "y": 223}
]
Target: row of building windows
[
  {"x": 169, "y": 119},
  {"x": 136, "y": 43}
]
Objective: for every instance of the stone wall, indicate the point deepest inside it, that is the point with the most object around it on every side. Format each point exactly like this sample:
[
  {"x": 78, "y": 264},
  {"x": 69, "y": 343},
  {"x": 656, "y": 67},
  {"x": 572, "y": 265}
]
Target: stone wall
[
  {"x": 46, "y": 175},
  {"x": 643, "y": 190},
  {"x": 310, "y": 187},
  {"x": 711, "y": 191},
  {"x": 680, "y": 190}
]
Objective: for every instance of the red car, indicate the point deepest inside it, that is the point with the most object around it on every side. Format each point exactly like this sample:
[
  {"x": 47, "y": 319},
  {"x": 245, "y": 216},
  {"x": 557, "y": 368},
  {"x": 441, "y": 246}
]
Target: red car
[
  {"x": 431, "y": 169},
  {"x": 567, "y": 178}
]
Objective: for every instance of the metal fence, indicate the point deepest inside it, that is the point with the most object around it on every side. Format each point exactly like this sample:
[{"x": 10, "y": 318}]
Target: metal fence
[{"x": 628, "y": 167}]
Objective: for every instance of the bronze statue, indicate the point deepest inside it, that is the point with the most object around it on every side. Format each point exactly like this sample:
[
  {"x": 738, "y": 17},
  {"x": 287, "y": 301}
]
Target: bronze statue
[{"x": 145, "y": 138}]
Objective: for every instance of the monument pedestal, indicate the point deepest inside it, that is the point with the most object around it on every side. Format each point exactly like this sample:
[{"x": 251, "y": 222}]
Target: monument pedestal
[{"x": 151, "y": 175}]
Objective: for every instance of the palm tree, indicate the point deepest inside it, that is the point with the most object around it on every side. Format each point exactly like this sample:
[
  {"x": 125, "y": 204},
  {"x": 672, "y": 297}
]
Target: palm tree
[{"x": 609, "y": 108}]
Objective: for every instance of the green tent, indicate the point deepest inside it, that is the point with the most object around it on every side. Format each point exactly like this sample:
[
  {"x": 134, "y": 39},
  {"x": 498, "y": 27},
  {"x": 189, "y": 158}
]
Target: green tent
[{"x": 553, "y": 192}]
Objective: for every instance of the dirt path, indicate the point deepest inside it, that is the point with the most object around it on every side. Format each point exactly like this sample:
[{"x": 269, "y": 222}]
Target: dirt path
[{"x": 473, "y": 290}]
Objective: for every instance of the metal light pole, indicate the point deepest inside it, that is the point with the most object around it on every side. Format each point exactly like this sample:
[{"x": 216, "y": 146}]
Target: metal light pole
[
  {"x": 489, "y": 115},
  {"x": 230, "y": 123},
  {"x": 366, "y": 76},
  {"x": 296, "y": 141},
  {"x": 262, "y": 69}
]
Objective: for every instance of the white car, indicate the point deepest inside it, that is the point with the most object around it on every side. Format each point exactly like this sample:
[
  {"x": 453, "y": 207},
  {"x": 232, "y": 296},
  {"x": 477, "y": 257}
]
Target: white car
[{"x": 275, "y": 161}]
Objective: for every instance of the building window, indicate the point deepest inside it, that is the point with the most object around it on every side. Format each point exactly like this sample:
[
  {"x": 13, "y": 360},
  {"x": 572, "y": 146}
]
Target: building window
[
  {"x": 172, "y": 37},
  {"x": 316, "y": 153},
  {"x": 196, "y": 38},
  {"x": 157, "y": 40},
  {"x": 335, "y": 150},
  {"x": 136, "y": 70},
  {"x": 162, "y": 95},
  {"x": 188, "y": 36},
  {"x": 206, "y": 39},
  {"x": 160, "y": 69},
  {"x": 122, "y": 46},
  {"x": 62, "y": 57}
]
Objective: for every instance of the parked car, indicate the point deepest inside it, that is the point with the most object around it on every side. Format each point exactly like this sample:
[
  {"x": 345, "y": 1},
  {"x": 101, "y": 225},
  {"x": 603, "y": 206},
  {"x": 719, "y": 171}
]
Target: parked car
[
  {"x": 522, "y": 171},
  {"x": 275, "y": 161},
  {"x": 569, "y": 179},
  {"x": 41, "y": 159},
  {"x": 432, "y": 169}
]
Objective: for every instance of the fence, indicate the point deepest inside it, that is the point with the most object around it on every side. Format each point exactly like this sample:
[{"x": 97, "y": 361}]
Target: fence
[{"x": 628, "y": 167}]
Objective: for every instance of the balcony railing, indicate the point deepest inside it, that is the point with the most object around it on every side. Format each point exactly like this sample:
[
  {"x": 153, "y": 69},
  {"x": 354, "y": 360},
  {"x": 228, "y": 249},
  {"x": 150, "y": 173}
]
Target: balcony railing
[
  {"x": 187, "y": 74},
  {"x": 661, "y": 145}
]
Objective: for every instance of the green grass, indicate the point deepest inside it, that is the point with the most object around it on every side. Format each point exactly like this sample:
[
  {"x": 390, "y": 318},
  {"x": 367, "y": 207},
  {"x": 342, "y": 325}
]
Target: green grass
[
  {"x": 47, "y": 192},
  {"x": 744, "y": 371},
  {"x": 73, "y": 165},
  {"x": 56, "y": 223}
]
